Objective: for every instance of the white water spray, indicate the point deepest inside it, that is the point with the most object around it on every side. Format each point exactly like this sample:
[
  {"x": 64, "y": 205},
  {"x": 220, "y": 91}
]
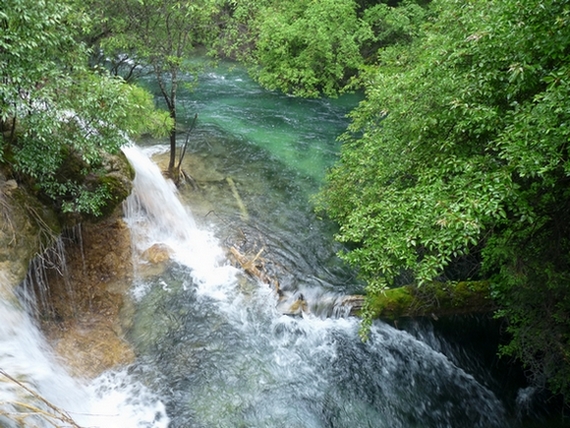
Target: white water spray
[
  {"x": 156, "y": 216},
  {"x": 39, "y": 392},
  {"x": 25, "y": 357}
]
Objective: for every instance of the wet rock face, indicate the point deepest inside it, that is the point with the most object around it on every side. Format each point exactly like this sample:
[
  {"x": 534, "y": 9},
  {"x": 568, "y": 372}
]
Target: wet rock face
[
  {"x": 87, "y": 298},
  {"x": 81, "y": 276}
]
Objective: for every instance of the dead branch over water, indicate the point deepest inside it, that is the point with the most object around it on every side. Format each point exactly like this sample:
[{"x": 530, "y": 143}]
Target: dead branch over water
[{"x": 52, "y": 414}]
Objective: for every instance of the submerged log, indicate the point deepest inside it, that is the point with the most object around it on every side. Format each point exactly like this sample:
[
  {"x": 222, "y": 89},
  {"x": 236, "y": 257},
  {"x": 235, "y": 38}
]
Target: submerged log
[
  {"x": 237, "y": 197},
  {"x": 354, "y": 302}
]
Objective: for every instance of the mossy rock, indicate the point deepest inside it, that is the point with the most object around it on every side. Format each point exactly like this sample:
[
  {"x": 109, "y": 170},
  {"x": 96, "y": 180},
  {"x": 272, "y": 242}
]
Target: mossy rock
[
  {"x": 118, "y": 181},
  {"x": 118, "y": 189},
  {"x": 392, "y": 303},
  {"x": 115, "y": 176}
]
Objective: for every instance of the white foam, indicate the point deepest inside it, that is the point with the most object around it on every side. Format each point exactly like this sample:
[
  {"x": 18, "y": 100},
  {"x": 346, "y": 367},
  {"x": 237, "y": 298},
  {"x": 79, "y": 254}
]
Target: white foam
[
  {"x": 156, "y": 215},
  {"x": 119, "y": 401}
]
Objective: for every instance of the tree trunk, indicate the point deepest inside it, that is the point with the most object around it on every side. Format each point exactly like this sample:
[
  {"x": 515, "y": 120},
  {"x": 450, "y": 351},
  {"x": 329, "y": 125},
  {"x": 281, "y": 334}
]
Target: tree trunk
[
  {"x": 172, "y": 161},
  {"x": 170, "y": 100},
  {"x": 434, "y": 299}
]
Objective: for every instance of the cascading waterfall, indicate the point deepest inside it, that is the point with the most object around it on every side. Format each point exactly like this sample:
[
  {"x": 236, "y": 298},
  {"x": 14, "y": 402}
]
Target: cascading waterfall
[
  {"x": 37, "y": 391},
  {"x": 220, "y": 355},
  {"x": 156, "y": 215}
]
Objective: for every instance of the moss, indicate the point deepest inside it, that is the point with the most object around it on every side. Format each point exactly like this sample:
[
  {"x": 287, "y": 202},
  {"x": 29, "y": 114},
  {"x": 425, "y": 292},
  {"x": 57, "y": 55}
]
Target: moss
[
  {"x": 124, "y": 166},
  {"x": 392, "y": 303},
  {"x": 117, "y": 190},
  {"x": 434, "y": 299}
]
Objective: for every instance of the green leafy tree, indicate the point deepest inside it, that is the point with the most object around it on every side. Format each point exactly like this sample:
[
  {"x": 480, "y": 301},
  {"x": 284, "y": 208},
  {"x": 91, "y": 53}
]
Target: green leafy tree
[
  {"x": 313, "y": 48},
  {"x": 309, "y": 47},
  {"x": 456, "y": 166},
  {"x": 55, "y": 111},
  {"x": 163, "y": 35}
]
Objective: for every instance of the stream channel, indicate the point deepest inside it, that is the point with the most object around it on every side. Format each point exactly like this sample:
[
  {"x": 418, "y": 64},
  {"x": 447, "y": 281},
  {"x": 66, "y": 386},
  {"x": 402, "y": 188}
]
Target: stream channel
[{"x": 214, "y": 346}]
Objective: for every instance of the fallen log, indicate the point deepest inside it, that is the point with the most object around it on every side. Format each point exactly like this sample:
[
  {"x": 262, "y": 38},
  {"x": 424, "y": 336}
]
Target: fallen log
[
  {"x": 255, "y": 267},
  {"x": 237, "y": 197},
  {"x": 435, "y": 299}
]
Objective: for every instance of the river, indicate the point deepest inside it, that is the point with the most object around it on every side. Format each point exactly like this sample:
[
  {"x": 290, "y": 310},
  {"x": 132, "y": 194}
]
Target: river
[{"x": 216, "y": 347}]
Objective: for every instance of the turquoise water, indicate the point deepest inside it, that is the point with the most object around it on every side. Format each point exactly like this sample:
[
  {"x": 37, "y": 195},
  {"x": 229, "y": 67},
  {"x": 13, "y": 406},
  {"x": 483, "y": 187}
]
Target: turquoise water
[
  {"x": 276, "y": 149},
  {"x": 300, "y": 133}
]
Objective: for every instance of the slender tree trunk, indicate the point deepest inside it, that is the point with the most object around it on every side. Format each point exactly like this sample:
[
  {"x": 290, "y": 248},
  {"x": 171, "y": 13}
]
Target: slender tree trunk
[
  {"x": 172, "y": 140},
  {"x": 170, "y": 99},
  {"x": 181, "y": 157},
  {"x": 172, "y": 108}
]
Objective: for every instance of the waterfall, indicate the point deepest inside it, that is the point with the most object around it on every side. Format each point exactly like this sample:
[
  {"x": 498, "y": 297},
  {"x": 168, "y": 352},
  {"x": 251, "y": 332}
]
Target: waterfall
[
  {"x": 35, "y": 388},
  {"x": 156, "y": 216},
  {"x": 214, "y": 351},
  {"x": 222, "y": 355}
]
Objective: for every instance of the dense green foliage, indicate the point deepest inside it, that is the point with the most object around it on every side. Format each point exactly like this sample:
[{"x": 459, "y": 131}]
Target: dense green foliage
[
  {"x": 162, "y": 35},
  {"x": 456, "y": 166},
  {"x": 309, "y": 48},
  {"x": 56, "y": 112}
]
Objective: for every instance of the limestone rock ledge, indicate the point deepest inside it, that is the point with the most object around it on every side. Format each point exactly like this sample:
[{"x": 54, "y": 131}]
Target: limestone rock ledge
[{"x": 85, "y": 319}]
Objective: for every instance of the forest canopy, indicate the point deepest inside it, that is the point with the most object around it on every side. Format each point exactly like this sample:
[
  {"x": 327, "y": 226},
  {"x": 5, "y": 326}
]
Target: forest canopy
[{"x": 314, "y": 48}]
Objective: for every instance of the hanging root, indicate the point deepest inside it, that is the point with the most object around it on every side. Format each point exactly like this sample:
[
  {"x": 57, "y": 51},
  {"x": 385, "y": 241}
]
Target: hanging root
[
  {"x": 46, "y": 236},
  {"x": 6, "y": 224}
]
